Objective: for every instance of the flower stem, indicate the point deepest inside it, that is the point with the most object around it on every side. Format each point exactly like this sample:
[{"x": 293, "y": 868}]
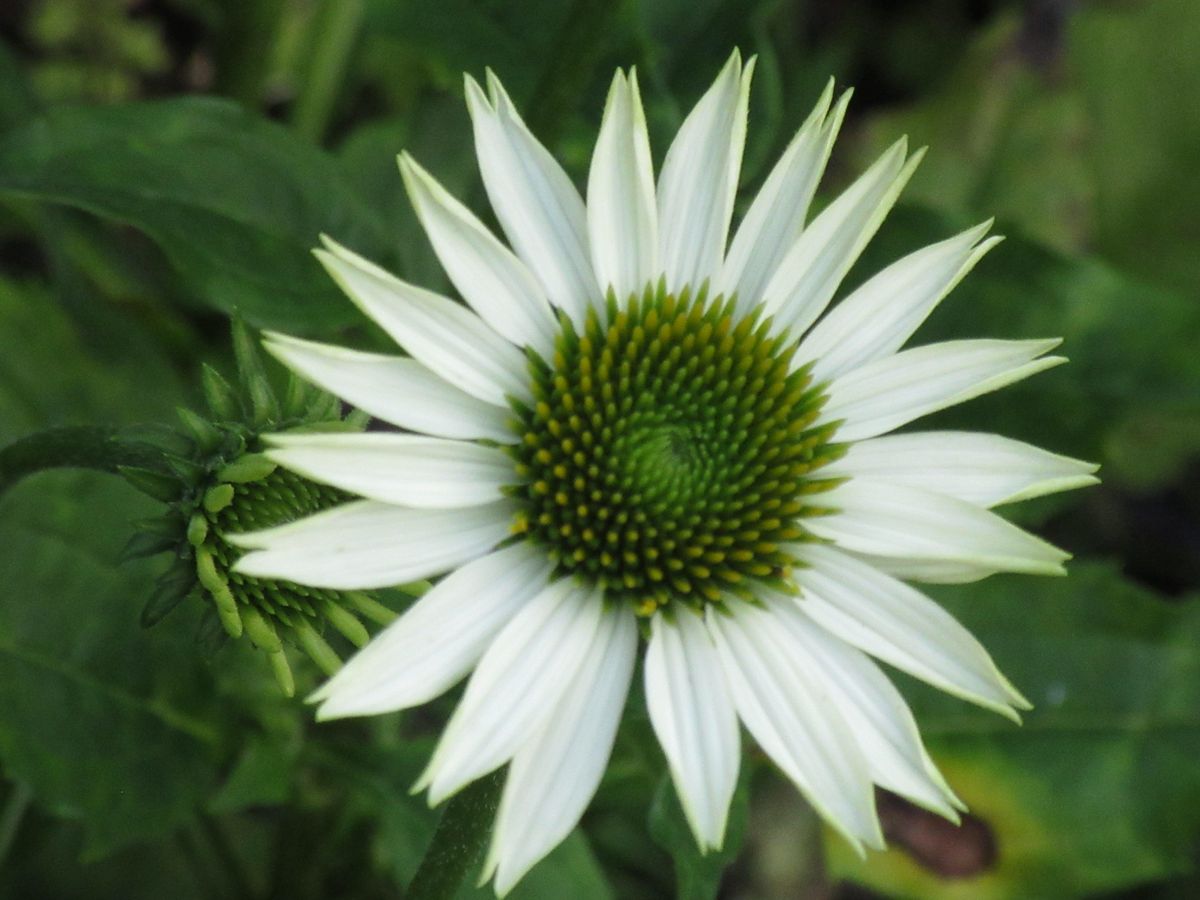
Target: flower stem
[
  {"x": 458, "y": 840},
  {"x": 10, "y": 819},
  {"x": 79, "y": 447}
]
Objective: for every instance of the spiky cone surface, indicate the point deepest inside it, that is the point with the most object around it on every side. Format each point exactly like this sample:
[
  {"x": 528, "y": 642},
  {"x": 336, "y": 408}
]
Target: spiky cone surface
[
  {"x": 636, "y": 428},
  {"x": 220, "y": 484}
]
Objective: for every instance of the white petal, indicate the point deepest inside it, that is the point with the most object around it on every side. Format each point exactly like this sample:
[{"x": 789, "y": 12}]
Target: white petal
[
  {"x": 887, "y": 393},
  {"x": 890, "y": 520},
  {"x": 901, "y": 626},
  {"x": 880, "y": 316},
  {"x": 448, "y": 339},
  {"x": 555, "y": 773},
  {"x": 930, "y": 571},
  {"x": 439, "y": 639},
  {"x": 776, "y": 217},
  {"x": 621, "y": 209},
  {"x": 516, "y": 686},
  {"x": 699, "y": 179},
  {"x": 404, "y": 469},
  {"x": 398, "y": 390},
  {"x": 815, "y": 265},
  {"x": 876, "y": 713},
  {"x": 695, "y": 721},
  {"x": 367, "y": 544},
  {"x": 538, "y": 207},
  {"x": 983, "y": 469},
  {"x": 490, "y": 278},
  {"x": 795, "y": 720}
]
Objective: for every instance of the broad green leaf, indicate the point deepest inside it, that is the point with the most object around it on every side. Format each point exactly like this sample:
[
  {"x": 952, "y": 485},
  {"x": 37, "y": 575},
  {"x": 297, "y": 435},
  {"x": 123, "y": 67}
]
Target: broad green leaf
[
  {"x": 103, "y": 721},
  {"x": 235, "y": 202},
  {"x": 517, "y": 40},
  {"x": 1098, "y": 789},
  {"x": 264, "y": 775}
]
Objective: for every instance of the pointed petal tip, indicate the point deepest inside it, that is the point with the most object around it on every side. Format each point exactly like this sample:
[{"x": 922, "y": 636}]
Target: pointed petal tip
[{"x": 477, "y": 101}]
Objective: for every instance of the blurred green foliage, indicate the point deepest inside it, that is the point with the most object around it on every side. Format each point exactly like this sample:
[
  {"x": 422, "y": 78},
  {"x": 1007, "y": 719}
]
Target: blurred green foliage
[{"x": 165, "y": 162}]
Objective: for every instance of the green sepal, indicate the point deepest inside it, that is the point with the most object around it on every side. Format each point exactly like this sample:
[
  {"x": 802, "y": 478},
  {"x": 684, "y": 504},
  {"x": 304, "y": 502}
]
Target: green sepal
[
  {"x": 151, "y": 483},
  {"x": 299, "y": 396},
  {"x": 325, "y": 407},
  {"x": 219, "y": 394},
  {"x": 206, "y": 435},
  {"x": 168, "y": 594},
  {"x": 210, "y": 633},
  {"x": 253, "y": 375},
  {"x": 189, "y": 471},
  {"x": 357, "y": 419},
  {"x": 145, "y": 543},
  {"x": 169, "y": 525}
]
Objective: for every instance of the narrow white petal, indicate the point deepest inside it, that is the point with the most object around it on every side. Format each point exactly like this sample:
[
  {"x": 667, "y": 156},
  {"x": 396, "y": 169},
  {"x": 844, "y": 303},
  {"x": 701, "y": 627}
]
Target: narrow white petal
[
  {"x": 776, "y": 217},
  {"x": 877, "y": 319},
  {"x": 795, "y": 720},
  {"x": 699, "y": 179},
  {"x": 929, "y": 571},
  {"x": 983, "y": 469},
  {"x": 621, "y": 207},
  {"x": 516, "y": 685},
  {"x": 887, "y": 393},
  {"x": 538, "y": 207},
  {"x": 404, "y": 469},
  {"x": 398, "y": 390},
  {"x": 890, "y": 520},
  {"x": 695, "y": 721},
  {"x": 557, "y": 770},
  {"x": 439, "y": 639},
  {"x": 815, "y": 265},
  {"x": 490, "y": 278},
  {"x": 448, "y": 339},
  {"x": 873, "y": 708},
  {"x": 368, "y": 544},
  {"x": 901, "y": 626}
]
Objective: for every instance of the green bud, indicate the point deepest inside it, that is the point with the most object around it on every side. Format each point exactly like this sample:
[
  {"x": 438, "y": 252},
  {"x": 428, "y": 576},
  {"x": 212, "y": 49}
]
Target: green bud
[
  {"x": 197, "y": 530},
  {"x": 218, "y": 497},
  {"x": 249, "y": 467}
]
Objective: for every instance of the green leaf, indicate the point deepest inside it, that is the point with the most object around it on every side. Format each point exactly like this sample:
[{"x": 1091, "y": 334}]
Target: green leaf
[
  {"x": 104, "y": 724},
  {"x": 1098, "y": 789},
  {"x": 1086, "y": 136},
  {"x": 697, "y": 875},
  {"x": 235, "y": 202},
  {"x": 264, "y": 775}
]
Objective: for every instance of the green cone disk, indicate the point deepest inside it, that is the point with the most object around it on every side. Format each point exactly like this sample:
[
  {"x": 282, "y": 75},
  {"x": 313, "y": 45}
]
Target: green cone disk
[{"x": 670, "y": 454}]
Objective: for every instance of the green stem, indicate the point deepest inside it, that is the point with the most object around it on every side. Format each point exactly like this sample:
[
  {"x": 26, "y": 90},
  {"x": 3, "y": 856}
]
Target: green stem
[
  {"x": 458, "y": 840},
  {"x": 81, "y": 447},
  {"x": 13, "y": 814},
  {"x": 234, "y": 870},
  {"x": 334, "y": 33}
]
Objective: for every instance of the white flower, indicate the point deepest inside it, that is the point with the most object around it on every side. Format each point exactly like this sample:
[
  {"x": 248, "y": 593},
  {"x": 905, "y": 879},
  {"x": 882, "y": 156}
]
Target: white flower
[{"x": 633, "y": 416}]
